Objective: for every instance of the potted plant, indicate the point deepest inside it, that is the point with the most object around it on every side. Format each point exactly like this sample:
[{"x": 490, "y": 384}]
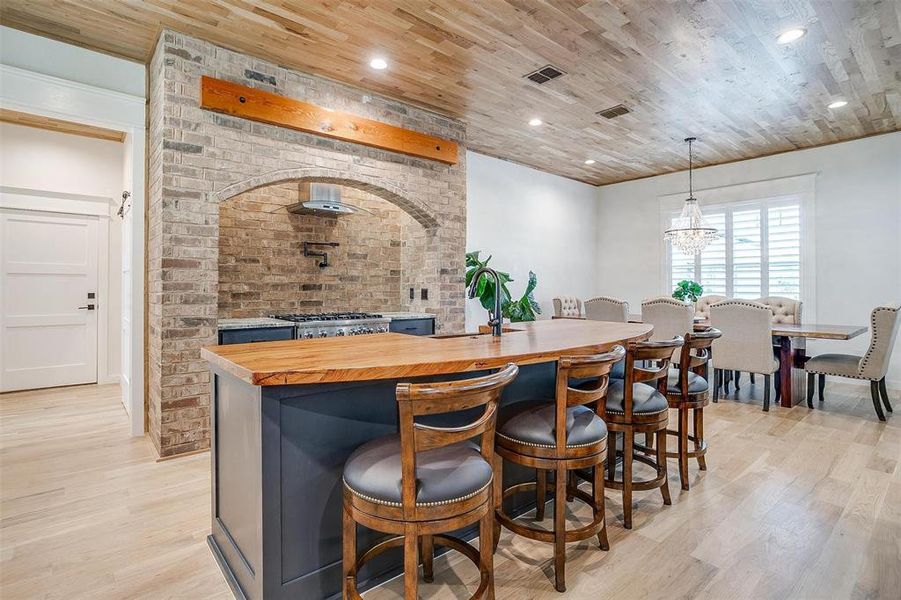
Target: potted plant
[
  {"x": 688, "y": 291},
  {"x": 523, "y": 309}
]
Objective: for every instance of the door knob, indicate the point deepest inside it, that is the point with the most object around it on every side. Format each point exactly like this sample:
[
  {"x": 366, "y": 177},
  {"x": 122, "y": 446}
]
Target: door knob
[{"x": 88, "y": 307}]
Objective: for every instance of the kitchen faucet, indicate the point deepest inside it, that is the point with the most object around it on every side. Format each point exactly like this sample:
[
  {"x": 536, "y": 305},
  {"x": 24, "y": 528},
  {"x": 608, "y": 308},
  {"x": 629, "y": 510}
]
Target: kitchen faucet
[{"x": 495, "y": 320}]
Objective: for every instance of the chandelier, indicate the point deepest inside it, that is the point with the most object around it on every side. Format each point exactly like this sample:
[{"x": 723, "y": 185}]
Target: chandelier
[{"x": 690, "y": 233}]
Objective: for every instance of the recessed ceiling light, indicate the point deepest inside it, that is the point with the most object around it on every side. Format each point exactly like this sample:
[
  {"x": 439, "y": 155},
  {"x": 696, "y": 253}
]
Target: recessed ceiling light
[
  {"x": 590, "y": 161},
  {"x": 378, "y": 64},
  {"x": 838, "y": 104},
  {"x": 535, "y": 122},
  {"x": 787, "y": 37}
]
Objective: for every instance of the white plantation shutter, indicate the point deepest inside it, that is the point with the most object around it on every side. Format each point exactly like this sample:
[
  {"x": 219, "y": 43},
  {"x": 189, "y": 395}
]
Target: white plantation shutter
[
  {"x": 712, "y": 267},
  {"x": 757, "y": 254}
]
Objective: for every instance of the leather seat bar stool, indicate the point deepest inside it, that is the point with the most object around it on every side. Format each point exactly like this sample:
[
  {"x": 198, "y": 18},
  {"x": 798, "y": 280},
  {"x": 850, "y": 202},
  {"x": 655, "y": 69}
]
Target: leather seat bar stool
[
  {"x": 559, "y": 435},
  {"x": 633, "y": 406},
  {"x": 688, "y": 392},
  {"x": 873, "y": 366},
  {"x": 427, "y": 481}
]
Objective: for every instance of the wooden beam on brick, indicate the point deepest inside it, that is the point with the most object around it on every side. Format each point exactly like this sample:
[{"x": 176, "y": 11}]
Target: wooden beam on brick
[{"x": 258, "y": 105}]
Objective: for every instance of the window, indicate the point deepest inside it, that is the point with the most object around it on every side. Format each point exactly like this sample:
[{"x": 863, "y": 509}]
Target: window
[{"x": 757, "y": 254}]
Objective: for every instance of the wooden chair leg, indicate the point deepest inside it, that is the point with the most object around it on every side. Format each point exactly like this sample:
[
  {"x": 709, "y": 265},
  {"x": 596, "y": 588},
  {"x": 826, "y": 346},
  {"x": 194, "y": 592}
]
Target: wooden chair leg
[
  {"x": 628, "y": 441},
  {"x": 683, "y": 448},
  {"x": 699, "y": 437},
  {"x": 752, "y": 378},
  {"x": 727, "y": 377},
  {"x": 498, "y": 496},
  {"x": 486, "y": 551},
  {"x": 597, "y": 491},
  {"x": 822, "y": 387},
  {"x": 427, "y": 550},
  {"x": 349, "y": 556},
  {"x": 661, "y": 466},
  {"x": 540, "y": 493},
  {"x": 411, "y": 562},
  {"x": 611, "y": 457},
  {"x": 810, "y": 382},
  {"x": 777, "y": 384},
  {"x": 560, "y": 529},
  {"x": 716, "y": 385},
  {"x": 884, "y": 392},
  {"x": 737, "y": 380},
  {"x": 877, "y": 401},
  {"x": 767, "y": 384}
]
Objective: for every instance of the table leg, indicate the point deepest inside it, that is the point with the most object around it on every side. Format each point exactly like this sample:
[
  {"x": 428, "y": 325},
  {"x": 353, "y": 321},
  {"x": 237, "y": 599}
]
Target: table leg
[{"x": 785, "y": 371}]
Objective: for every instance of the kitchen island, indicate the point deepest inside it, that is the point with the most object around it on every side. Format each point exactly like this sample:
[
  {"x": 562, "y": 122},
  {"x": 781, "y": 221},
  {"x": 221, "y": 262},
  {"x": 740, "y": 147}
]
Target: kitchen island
[{"x": 287, "y": 414}]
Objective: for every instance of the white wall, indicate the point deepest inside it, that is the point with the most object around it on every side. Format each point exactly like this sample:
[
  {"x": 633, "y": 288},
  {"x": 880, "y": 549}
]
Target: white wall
[
  {"x": 530, "y": 220},
  {"x": 857, "y": 230},
  {"x": 47, "y": 161},
  {"x": 42, "y": 55}
]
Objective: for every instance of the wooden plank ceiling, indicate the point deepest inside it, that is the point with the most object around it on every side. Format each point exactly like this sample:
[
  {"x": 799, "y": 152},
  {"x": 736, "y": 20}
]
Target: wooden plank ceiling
[{"x": 682, "y": 67}]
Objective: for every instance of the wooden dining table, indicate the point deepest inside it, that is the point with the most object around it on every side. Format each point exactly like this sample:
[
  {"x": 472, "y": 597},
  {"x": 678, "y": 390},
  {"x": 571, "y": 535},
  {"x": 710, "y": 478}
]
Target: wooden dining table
[{"x": 791, "y": 340}]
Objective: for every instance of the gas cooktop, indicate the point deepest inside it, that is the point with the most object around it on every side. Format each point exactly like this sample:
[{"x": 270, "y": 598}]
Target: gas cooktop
[{"x": 311, "y": 317}]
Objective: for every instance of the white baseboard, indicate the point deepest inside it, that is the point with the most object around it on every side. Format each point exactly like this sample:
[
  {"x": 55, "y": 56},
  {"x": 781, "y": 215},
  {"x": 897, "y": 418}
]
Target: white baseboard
[{"x": 107, "y": 380}]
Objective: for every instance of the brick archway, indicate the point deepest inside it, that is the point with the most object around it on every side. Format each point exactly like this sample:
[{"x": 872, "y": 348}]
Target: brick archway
[{"x": 384, "y": 190}]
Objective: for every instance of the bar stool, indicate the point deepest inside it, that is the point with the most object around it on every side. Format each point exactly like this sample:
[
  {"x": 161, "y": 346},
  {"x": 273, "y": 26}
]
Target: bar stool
[
  {"x": 560, "y": 436},
  {"x": 636, "y": 407},
  {"x": 687, "y": 391},
  {"x": 427, "y": 481}
]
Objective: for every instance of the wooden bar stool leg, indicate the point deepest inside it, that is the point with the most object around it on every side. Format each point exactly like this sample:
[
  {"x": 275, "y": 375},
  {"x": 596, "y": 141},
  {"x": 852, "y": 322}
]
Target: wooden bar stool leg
[
  {"x": 649, "y": 440},
  {"x": 560, "y": 529},
  {"x": 661, "y": 466},
  {"x": 540, "y": 494},
  {"x": 486, "y": 549},
  {"x": 597, "y": 489},
  {"x": 497, "y": 492},
  {"x": 571, "y": 483},
  {"x": 683, "y": 448},
  {"x": 428, "y": 558},
  {"x": 349, "y": 558},
  {"x": 699, "y": 437},
  {"x": 611, "y": 457},
  {"x": 628, "y": 442},
  {"x": 411, "y": 562}
]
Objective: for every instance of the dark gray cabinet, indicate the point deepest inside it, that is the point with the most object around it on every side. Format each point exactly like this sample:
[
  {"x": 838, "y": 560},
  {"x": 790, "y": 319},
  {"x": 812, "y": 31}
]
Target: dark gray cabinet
[
  {"x": 412, "y": 326},
  {"x": 255, "y": 334}
]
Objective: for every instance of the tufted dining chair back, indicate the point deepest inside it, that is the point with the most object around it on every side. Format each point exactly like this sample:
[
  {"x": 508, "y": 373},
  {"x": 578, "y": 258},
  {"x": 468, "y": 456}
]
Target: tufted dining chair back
[
  {"x": 702, "y": 306},
  {"x": 785, "y": 310},
  {"x": 884, "y": 325},
  {"x": 567, "y": 306},
  {"x": 746, "y": 344},
  {"x": 605, "y": 308}
]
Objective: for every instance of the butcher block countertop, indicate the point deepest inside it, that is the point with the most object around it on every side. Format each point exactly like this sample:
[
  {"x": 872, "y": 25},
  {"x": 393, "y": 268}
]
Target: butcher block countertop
[{"x": 395, "y": 355}]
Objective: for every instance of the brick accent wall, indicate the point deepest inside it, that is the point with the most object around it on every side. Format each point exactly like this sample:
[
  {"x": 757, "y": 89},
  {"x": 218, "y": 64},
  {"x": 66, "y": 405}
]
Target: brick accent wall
[
  {"x": 262, "y": 269},
  {"x": 199, "y": 159}
]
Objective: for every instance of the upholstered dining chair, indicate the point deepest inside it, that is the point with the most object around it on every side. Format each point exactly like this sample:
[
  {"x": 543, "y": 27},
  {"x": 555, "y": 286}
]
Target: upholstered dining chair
[
  {"x": 702, "y": 306},
  {"x": 567, "y": 306},
  {"x": 670, "y": 317},
  {"x": 786, "y": 311},
  {"x": 873, "y": 366},
  {"x": 746, "y": 344},
  {"x": 605, "y": 308}
]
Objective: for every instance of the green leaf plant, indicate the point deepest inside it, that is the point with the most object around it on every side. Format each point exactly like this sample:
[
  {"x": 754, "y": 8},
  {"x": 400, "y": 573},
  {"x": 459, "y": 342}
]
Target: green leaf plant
[{"x": 523, "y": 309}]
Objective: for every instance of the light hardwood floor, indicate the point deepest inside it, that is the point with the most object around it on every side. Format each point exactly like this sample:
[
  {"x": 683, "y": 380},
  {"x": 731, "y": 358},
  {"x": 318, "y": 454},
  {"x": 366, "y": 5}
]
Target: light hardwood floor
[{"x": 795, "y": 504}]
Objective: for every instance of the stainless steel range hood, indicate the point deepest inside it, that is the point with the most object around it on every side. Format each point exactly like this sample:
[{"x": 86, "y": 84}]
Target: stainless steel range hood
[{"x": 324, "y": 200}]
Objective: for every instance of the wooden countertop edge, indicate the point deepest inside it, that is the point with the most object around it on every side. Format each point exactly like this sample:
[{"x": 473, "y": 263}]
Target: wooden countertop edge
[{"x": 372, "y": 373}]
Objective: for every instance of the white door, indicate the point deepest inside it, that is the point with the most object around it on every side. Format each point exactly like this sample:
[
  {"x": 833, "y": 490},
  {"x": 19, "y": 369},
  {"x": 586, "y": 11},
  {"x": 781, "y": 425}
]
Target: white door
[{"x": 48, "y": 323}]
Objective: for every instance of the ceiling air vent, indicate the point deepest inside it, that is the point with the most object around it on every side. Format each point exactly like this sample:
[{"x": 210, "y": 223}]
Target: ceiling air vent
[
  {"x": 614, "y": 111},
  {"x": 544, "y": 74}
]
